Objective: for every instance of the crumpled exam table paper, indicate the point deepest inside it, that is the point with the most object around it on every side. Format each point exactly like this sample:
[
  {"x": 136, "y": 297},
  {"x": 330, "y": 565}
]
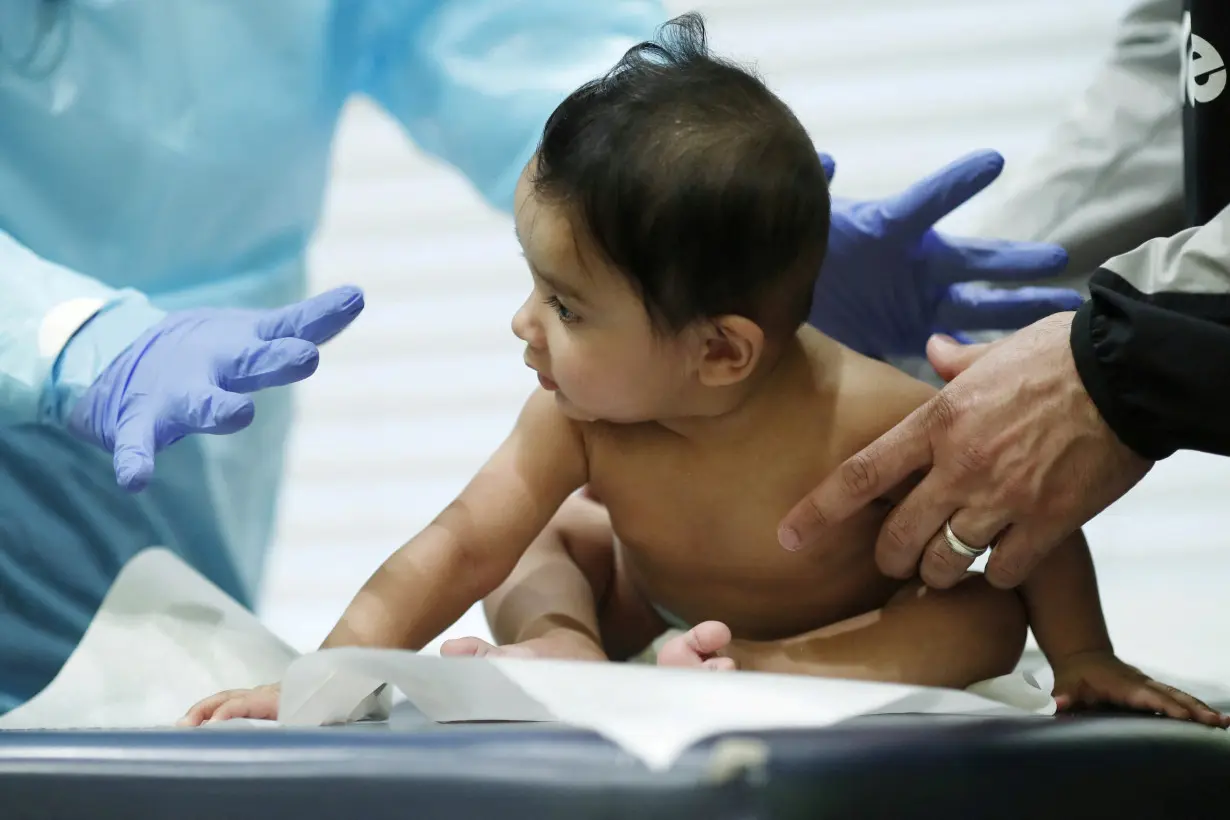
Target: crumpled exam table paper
[{"x": 166, "y": 637}]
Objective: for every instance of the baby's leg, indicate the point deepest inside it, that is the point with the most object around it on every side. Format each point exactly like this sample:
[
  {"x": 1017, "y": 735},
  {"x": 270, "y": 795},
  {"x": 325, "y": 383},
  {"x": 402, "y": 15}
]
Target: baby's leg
[
  {"x": 952, "y": 638},
  {"x": 566, "y": 598}
]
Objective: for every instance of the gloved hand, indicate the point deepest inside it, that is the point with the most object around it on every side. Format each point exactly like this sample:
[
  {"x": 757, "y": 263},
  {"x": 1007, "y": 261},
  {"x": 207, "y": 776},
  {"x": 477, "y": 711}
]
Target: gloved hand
[
  {"x": 889, "y": 281},
  {"x": 188, "y": 373}
]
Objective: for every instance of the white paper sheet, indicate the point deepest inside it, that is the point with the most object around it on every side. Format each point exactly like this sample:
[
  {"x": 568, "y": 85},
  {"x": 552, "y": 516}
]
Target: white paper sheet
[
  {"x": 164, "y": 638},
  {"x": 654, "y": 713}
]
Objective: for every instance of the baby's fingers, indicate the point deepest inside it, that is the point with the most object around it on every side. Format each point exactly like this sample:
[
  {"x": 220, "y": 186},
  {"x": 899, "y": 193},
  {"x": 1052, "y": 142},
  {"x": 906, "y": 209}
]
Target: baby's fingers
[
  {"x": 1132, "y": 693},
  {"x": 203, "y": 710},
  {"x": 1151, "y": 698},
  {"x": 1196, "y": 709},
  {"x": 255, "y": 705}
]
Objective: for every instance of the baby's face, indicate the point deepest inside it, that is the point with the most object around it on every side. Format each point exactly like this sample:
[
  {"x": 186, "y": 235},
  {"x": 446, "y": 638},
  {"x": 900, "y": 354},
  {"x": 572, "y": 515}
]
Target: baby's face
[{"x": 586, "y": 331}]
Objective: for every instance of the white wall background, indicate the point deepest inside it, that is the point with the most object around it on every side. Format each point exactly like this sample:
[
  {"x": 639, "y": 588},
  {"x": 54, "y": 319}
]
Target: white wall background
[{"x": 411, "y": 400}]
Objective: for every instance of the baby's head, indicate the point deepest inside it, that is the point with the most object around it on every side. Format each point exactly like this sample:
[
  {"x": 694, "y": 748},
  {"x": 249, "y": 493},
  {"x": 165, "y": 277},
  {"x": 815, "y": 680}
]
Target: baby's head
[{"x": 674, "y": 219}]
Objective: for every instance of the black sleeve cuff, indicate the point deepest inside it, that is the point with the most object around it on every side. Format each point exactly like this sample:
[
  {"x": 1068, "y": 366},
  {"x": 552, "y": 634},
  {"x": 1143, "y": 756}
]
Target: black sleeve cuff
[
  {"x": 1097, "y": 378},
  {"x": 1157, "y": 366}
]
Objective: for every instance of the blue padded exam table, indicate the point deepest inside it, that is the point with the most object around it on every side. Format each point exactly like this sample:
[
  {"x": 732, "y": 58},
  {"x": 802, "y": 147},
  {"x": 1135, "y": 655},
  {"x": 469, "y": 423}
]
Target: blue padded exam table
[{"x": 898, "y": 766}]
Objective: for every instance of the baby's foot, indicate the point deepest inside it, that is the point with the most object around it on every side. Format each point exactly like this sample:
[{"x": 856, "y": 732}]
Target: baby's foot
[
  {"x": 562, "y": 645},
  {"x": 698, "y": 648}
]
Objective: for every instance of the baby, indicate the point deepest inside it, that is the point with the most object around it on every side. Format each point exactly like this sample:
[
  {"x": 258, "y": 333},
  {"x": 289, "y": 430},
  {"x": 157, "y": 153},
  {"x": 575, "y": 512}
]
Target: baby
[{"x": 674, "y": 220}]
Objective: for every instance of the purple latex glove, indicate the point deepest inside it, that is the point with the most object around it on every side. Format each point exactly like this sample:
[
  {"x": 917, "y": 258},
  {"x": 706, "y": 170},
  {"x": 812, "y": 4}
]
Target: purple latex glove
[
  {"x": 889, "y": 281},
  {"x": 189, "y": 373}
]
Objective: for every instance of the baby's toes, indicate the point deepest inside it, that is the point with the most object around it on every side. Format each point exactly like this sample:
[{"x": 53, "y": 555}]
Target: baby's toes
[
  {"x": 466, "y": 647},
  {"x": 696, "y": 646},
  {"x": 514, "y": 650},
  {"x": 676, "y": 652}
]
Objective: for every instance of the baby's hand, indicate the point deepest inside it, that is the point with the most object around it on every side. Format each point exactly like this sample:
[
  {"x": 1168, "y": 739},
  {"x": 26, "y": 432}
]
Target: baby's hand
[
  {"x": 1100, "y": 678},
  {"x": 260, "y": 703},
  {"x": 698, "y": 647}
]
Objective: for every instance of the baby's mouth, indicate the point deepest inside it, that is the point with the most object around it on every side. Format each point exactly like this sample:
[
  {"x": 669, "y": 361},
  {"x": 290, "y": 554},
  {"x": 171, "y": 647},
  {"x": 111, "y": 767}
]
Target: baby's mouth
[{"x": 546, "y": 382}]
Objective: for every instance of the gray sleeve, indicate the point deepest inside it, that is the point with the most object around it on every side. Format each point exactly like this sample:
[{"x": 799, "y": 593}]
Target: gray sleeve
[
  {"x": 1110, "y": 177},
  {"x": 1195, "y": 262}
]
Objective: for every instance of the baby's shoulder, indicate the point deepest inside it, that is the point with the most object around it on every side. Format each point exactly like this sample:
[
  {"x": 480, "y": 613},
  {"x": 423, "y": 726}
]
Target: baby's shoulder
[
  {"x": 863, "y": 397},
  {"x": 882, "y": 385}
]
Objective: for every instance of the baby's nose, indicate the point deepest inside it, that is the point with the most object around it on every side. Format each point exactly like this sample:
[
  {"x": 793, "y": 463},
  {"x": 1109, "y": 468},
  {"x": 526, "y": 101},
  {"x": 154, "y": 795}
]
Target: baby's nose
[{"x": 524, "y": 327}]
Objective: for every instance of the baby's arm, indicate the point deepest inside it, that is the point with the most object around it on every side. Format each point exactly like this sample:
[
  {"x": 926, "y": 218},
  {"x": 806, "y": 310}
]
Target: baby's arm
[
  {"x": 460, "y": 557},
  {"x": 1065, "y": 613},
  {"x": 476, "y": 541}
]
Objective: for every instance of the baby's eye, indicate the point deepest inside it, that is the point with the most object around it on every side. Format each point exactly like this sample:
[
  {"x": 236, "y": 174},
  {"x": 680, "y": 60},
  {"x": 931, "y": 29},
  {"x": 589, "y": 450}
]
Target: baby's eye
[{"x": 565, "y": 315}]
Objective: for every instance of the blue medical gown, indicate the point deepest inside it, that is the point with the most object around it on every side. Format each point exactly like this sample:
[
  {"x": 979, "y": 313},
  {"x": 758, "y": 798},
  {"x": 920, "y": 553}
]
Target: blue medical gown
[{"x": 163, "y": 154}]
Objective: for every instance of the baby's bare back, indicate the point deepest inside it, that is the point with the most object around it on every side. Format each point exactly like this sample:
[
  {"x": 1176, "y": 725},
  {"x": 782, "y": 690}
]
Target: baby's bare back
[{"x": 697, "y": 519}]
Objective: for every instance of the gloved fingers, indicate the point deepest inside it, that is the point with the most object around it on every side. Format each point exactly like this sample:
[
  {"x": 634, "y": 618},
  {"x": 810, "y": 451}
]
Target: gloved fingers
[
  {"x": 269, "y": 364},
  {"x": 972, "y": 307},
  {"x": 933, "y": 197},
  {"x": 135, "y": 446},
  {"x": 208, "y": 410},
  {"x": 315, "y": 320},
  {"x": 995, "y": 260},
  {"x": 829, "y": 165}
]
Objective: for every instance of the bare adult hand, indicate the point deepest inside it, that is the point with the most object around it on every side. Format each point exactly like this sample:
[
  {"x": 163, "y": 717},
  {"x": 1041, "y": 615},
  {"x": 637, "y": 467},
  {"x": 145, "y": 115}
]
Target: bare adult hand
[{"x": 1015, "y": 453}]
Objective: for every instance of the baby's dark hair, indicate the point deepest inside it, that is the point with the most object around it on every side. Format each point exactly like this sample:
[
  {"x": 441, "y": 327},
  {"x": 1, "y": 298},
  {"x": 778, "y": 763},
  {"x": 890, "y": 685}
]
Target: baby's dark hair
[{"x": 695, "y": 181}]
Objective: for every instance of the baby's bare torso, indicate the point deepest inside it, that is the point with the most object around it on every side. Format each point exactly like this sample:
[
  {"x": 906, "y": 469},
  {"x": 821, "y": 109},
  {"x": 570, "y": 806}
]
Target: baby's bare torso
[{"x": 697, "y": 522}]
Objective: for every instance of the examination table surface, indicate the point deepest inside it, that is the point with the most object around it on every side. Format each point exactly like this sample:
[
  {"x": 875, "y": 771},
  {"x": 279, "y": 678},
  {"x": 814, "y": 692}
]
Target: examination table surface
[{"x": 899, "y": 766}]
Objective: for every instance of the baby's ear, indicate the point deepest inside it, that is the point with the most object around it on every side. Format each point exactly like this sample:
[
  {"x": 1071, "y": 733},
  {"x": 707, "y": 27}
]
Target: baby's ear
[{"x": 733, "y": 346}]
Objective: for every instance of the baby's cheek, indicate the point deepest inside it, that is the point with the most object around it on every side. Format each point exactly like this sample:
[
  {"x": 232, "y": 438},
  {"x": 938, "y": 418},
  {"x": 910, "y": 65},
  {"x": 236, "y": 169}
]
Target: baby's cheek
[
  {"x": 601, "y": 381},
  {"x": 633, "y": 393}
]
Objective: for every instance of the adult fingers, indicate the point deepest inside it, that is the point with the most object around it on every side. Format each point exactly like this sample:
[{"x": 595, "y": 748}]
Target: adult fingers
[
  {"x": 269, "y": 364},
  {"x": 935, "y": 196},
  {"x": 968, "y": 306},
  {"x": 829, "y": 165},
  {"x": 909, "y": 527},
  {"x": 950, "y": 358},
  {"x": 861, "y": 479},
  {"x": 135, "y": 445},
  {"x": 942, "y": 564},
  {"x": 314, "y": 320},
  {"x": 210, "y": 410},
  {"x": 996, "y": 260}
]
